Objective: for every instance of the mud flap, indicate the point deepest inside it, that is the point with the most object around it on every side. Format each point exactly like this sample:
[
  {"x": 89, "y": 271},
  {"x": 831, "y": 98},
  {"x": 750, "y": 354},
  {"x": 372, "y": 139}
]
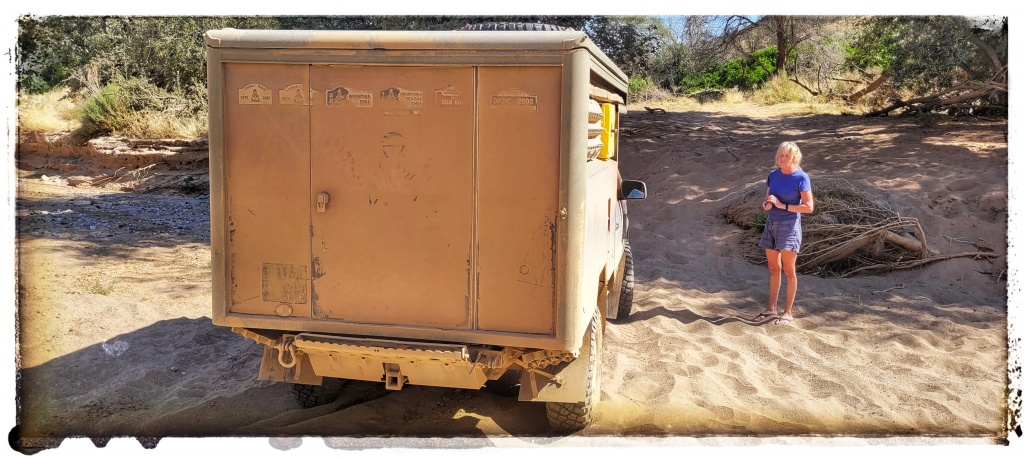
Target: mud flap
[{"x": 536, "y": 387}]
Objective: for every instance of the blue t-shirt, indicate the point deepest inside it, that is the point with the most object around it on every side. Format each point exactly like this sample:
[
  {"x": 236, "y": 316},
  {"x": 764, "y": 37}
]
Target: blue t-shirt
[{"x": 787, "y": 188}]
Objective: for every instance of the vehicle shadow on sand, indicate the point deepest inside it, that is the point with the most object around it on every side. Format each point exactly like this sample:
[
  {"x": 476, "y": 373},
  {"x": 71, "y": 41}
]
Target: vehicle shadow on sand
[
  {"x": 684, "y": 316},
  {"x": 189, "y": 378}
]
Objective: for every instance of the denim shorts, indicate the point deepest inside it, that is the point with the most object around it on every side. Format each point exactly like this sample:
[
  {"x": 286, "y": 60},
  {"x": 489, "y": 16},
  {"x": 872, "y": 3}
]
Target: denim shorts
[{"x": 782, "y": 235}]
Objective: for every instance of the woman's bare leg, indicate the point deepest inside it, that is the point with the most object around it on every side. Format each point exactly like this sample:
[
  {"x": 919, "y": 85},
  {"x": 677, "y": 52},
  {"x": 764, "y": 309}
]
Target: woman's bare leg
[
  {"x": 789, "y": 268},
  {"x": 774, "y": 279}
]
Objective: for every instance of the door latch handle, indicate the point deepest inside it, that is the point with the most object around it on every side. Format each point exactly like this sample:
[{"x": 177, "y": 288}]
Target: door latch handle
[{"x": 321, "y": 201}]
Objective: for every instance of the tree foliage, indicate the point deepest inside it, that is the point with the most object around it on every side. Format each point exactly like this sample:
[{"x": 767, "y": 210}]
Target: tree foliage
[
  {"x": 748, "y": 34},
  {"x": 632, "y": 42},
  {"x": 949, "y": 61},
  {"x": 170, "y": 51},
  {"x": 743, "y": 73},
  {"x": 928, "y": 53},
  {"x": 954, "y": 63},
  {"x": 167, "y": 51},
  {"x": 50, "y": 48}
]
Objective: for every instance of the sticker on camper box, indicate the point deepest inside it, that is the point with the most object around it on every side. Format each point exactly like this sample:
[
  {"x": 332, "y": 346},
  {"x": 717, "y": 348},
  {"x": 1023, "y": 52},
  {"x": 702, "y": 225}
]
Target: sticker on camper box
[
  {"x": 285, "y": 283},
  {"x": 408, "y": 99},
  {"x": 514, "y": 97},
  {"x": 349, "y": 97},
  {"x": 294, "y": 94},
  {"x": 448, "y": 97},
  {"x": 255, "y": 93}
]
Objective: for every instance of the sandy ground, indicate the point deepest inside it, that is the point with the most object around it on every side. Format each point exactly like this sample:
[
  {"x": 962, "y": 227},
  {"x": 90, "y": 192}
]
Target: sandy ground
[{"x": 115, "y": 337}]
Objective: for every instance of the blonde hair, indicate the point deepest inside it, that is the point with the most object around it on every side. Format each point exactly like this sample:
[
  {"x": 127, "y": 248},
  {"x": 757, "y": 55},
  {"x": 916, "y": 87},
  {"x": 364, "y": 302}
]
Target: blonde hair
[{"x": 793, "y": 149}]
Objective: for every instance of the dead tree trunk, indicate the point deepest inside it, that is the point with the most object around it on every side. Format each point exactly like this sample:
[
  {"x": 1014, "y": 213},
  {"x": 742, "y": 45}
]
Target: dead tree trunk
[
  {"x": 782, "y": 42},
  {"x": 936, "y": 102},
  {"x": 871, "y": 87}
]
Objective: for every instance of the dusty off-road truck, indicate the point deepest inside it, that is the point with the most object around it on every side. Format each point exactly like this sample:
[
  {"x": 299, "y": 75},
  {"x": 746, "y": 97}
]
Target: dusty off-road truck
[{"x": 420, "y": 208}]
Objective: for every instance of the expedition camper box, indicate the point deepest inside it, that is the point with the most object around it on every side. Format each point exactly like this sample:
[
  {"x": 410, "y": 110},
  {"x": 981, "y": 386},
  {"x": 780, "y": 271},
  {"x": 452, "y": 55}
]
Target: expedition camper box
[{"x": 420, "y": 208}]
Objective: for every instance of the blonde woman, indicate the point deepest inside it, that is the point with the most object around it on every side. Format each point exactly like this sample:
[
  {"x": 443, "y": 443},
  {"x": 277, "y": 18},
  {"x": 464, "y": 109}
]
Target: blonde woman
[{"x": 788, "y": 196}]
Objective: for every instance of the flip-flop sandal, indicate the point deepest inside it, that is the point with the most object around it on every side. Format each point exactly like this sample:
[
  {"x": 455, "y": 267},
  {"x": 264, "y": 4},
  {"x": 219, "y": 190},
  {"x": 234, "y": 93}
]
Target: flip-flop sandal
[
  {"x": 764, "y": 315},
  {"x": 783, "y": 321}
]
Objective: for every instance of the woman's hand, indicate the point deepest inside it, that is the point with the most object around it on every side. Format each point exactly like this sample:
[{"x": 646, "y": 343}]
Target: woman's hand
[{"x": 770, "y": 202}]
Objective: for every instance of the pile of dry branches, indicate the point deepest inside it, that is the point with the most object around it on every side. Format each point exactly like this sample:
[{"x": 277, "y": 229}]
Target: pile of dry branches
[{"x": 850, "y": 232}]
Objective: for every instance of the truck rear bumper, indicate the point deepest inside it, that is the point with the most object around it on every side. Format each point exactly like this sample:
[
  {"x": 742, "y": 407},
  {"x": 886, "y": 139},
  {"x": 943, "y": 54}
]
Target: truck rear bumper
[
  {"x": 396, "y": 363},
  {"x": 307, "y": 358}
]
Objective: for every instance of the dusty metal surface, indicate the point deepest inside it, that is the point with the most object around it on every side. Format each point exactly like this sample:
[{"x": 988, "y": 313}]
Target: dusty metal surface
[
  {"x": 518, "y": 204},
  {"x": 421, "y": 186},
  {"x": 266, "y": 163},
  {"x": 394, "y": 150}
]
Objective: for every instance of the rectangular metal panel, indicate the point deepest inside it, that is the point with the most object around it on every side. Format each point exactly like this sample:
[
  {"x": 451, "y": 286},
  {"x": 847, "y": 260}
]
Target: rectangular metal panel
[
  {"x": 266, "y": 181},
  {"x": 599, "y": 229},
  {"x": 518, "y": 157},
  {"x": 392, "y": 149}
]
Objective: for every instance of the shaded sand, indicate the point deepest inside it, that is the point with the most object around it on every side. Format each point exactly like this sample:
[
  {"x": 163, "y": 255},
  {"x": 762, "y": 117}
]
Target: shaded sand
[
  {"x": 862, "y": 357},
  {"x": 115, "y": 335}
]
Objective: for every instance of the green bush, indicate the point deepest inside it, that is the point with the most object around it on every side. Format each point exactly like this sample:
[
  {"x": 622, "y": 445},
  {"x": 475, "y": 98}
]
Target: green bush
[
  {"x": 32, "y": 84},
  {"x": 744, "y": 73},
  {"x": 135, "y": 107},
  {"x": 104, "y": 112},
  {"x": 640, "y": 84}
]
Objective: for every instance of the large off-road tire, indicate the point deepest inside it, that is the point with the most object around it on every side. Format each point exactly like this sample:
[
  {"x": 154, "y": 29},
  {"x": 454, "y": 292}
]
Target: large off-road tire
[
  {"x": 309, "y": 395},
  {"x": 625, "y": 307},
  {"x": 572, "y": 417},
  {"x": 515, "y": 26}
]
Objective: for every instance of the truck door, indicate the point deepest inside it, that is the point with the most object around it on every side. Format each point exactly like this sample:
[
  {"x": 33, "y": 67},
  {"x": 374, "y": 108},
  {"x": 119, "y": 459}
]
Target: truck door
[
  {"x": 266, "y": 160},
  {"x": 519, "y": 154},
  {"x": 391, "y": 195}
]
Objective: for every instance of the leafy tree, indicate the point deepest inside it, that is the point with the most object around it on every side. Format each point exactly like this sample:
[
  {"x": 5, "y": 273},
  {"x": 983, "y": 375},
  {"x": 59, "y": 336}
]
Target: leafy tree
[
  {"x": 748, "y": 34},
  {"x": 170, "y": 51},
  {"x": 667, "y": 68},
  {"x": 704, "y": 47},
  {"x": 746, "y": 73},
  {"x": 958, "y": 63},
  {"x": 632, "y": 42},
  {"x": 822, "y": 60},
  {"x": 50, "y": 48}
]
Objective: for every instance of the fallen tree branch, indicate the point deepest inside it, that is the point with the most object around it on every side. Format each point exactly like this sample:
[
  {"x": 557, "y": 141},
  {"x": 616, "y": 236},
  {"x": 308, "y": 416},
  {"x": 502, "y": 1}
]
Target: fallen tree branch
[
  {"x": 920, "y": 233},
  {"x": 910, "y": 244},
  {"x": 840, "y": 252},
  {"x": 871, "y": 87},
  {"x": 797, "y": 81},
  {"x": 946, "y": 98},
  {"x": 908, "y": 265},
  {"x": 837, "y": 79}
]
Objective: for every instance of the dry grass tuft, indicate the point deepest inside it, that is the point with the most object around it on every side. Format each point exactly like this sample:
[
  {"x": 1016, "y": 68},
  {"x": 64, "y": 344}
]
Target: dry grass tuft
[
  {"x": 734, "y": 96},
  {"x": 780, "y": 90},
  {"x": 164, "y": 125},
  {"x": 53, "y": 111},
  {"x": 62, "y": 110}
]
